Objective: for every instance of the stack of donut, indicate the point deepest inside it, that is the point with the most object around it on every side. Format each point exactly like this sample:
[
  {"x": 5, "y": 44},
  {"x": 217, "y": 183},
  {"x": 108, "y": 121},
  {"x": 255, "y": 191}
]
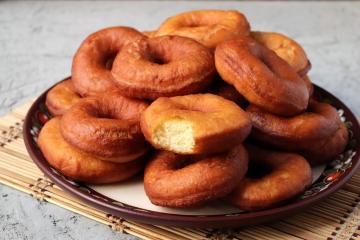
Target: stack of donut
[{"x": 212, "y": 110}]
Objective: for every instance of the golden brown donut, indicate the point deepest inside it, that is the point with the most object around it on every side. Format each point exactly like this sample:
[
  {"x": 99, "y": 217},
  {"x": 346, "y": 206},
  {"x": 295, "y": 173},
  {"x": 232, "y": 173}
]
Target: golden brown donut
[
  {"x": 79, "y": 165},
  {"x": 262, "y": 77},
  {"x": 319, "y": 122},
  {"x": 93, "y": 60},
  {"x": 163, "y": 67},
  {"x": 209, "y": 27},
  {"x": 149, "y": 34},
  {"x": 61, "y": 97},
  {"x": 327, "y": 149},
  {"x": 287, "y": 175},
  {"x": 286, "y": 48},
  {"x": 106, "y": 126},
  {"x": 195, "y": 124},
  {"x": 227, "y": 91},
  {"x": 180, "y": 181}
]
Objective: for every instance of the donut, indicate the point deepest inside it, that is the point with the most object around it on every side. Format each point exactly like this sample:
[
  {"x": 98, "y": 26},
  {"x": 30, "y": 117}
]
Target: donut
[
  {"x": 150, "y": 33},
  {"x": 209, "y": 27},
  {"x": 106, "y": 126},
  {"x": 61, "y": 97},
  {"x": 319, "y": 122},
  {"x": 179, "y": 181},
  {"x": 93, "y": 60},
  {"x": 286, "y": 48},
  {"x": 227, "y": 91},
  {"x": 79, "y": 165},
  {"x": 195, "y": 124},
  {"x": 326, "y": 150},
  {"x": 163, "y": 67},
  {"x": 285, "y": 176},
  {"x": 262, "y": 77}
]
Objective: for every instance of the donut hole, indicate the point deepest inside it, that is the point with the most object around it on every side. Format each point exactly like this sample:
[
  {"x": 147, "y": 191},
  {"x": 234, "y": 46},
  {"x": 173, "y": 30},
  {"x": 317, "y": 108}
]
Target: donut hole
[
  {"x": 203, "y": 21},
  {"x": 157, "y": 56},
  {"x": 196, "y": 106},
  {"x": 264, "y": 55},
  {"x": 182, "y": 163},
  {"x": 113, "y": 113},
  {"x": 159, "y": 60},
  {"x": 197, "y": 25},
  {"x": 109, "y": 60},
  {"x": 103, "y": 110},
  {"x": 193, "y": 108},
  {"x": 109, "y": 63},
  {"x": 258, "y": 171},
  {"x": 105, "y": 115},
  {"x": 163, "y": 50},
  {"x": 175, "y": 135},
  {"x": 259, "y": 53}
]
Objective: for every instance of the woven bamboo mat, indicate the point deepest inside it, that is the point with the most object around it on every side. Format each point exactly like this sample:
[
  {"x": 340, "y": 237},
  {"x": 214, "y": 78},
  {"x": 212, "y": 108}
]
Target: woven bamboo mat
[{"x": 337, "y": 217}]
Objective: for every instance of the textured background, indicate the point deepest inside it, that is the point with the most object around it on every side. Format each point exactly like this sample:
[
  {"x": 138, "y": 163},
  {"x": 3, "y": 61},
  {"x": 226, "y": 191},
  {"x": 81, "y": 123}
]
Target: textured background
[{"x": 38, "y": 39}]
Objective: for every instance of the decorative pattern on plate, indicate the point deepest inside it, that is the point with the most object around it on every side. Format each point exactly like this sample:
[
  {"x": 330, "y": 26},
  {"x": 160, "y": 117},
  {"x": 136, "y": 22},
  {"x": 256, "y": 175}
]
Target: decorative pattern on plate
[
  {"x": 335, "y": 168},
  {"x": 331, "y": 174}
]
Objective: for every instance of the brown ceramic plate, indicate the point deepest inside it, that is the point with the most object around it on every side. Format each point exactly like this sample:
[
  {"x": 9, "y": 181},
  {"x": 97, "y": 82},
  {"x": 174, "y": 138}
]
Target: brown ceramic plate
[{"x": 128, "y": 200}]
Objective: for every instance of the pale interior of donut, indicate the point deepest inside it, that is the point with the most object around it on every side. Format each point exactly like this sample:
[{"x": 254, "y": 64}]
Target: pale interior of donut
[{"x": 175, "y": 135}]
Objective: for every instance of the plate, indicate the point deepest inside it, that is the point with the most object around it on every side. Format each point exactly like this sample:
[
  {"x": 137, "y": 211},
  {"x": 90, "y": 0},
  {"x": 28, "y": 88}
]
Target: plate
[{"x": 128, "y": 199}]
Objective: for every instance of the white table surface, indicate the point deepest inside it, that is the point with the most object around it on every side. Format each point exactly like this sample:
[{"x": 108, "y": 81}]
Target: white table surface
[{"x": 38, "y": 39}]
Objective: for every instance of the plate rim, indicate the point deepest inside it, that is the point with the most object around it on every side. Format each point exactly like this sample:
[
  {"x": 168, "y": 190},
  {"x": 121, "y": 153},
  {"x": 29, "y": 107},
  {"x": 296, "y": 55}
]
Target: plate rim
[{"x": 170, "y": 219}]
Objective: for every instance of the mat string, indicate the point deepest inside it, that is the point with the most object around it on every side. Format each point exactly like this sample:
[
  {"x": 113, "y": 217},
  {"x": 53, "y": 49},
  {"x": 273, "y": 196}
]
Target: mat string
[
  {"x": 13, "y": 132},
  {"x": 116, "y": 223},
  {"x": 39, "y": 188}
]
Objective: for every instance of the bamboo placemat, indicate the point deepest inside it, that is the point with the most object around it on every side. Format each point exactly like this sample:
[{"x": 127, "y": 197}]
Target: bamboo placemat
[{"x": 337, "y": 217}]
